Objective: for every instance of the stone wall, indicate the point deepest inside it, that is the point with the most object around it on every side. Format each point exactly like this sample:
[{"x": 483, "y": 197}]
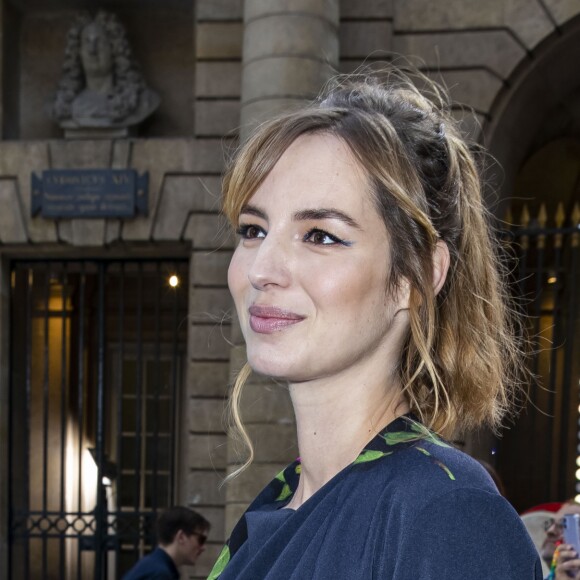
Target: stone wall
[{"x": 183, "y": 203}]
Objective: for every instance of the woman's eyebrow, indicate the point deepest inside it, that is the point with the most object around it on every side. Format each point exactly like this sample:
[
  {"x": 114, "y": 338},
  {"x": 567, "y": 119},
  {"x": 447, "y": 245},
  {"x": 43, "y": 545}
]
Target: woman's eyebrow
[
  {"x": 326, "y": 214},
  {"x": 253, "y": 210}
]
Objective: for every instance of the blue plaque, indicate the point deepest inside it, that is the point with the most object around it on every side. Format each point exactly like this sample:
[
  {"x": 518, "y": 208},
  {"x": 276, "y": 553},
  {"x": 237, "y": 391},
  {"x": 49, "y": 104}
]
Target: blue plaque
[{"x": 89, "y": 193}]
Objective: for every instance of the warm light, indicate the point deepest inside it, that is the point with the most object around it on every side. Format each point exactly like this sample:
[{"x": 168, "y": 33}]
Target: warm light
[
  {"x": 577, "y": 499},
  {"x": 578, "y": 461},
  {"x": 173, "y": 281},
  {"x": 552, "y": 280},
  {"x": 578, "y": 474},
  {"x": 107, "y": 482}
]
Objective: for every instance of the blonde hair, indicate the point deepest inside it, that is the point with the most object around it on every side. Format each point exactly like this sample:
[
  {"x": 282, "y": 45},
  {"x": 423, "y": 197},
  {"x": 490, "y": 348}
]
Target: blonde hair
[{"x": 461, "y": 363}]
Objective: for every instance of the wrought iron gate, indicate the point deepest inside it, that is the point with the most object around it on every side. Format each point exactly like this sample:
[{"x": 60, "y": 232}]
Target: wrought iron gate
[
  {"x": 539, "y": 457},
  {"x": 96, "y": 365}
]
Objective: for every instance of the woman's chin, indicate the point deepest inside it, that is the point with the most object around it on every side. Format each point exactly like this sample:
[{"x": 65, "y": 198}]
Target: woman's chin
[{"x": 271, "y": 367}]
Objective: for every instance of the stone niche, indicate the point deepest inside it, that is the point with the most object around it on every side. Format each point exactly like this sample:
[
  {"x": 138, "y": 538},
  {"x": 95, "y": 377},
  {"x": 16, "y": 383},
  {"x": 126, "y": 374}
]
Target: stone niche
[{"x": 160, "y": 33}]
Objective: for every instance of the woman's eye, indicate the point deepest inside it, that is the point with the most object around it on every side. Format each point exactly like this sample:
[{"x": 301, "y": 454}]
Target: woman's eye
[
  {"x": 322, "y": 238},
  {"x": 251, "y": 232}
]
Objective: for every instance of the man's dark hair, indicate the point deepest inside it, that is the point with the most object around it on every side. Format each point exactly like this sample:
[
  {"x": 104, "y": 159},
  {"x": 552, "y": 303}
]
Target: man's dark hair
[{"x": 178, "y": 518}]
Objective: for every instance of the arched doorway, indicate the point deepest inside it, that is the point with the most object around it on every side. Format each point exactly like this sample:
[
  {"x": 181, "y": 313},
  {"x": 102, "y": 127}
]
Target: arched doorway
[{"x": 534, "y": 133}]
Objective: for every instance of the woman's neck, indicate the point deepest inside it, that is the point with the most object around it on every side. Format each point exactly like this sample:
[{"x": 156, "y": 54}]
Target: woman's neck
[{"x": 335, "y": 418}]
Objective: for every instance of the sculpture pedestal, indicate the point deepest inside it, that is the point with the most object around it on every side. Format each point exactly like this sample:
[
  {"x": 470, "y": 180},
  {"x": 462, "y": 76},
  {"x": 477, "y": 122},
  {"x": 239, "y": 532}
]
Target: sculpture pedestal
[{"x": 100, "y": 133}]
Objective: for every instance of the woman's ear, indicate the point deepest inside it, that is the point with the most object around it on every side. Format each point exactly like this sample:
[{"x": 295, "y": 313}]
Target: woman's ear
[{"x": 441, "y": 261}]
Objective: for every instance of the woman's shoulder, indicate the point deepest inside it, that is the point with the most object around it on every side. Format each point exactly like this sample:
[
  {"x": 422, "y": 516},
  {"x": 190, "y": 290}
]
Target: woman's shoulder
[
  {"x": 439, "y": 511},
  {"x": 412, "y": 459}
]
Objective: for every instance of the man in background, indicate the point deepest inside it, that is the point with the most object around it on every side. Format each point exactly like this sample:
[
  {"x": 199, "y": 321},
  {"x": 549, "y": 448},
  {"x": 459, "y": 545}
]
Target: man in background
[
  {"x": 555, "y": 529},
  {"x": 181, "y": 534}
]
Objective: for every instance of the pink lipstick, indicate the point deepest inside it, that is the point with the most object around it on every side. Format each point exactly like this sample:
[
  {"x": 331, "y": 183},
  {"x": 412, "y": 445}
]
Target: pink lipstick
[{"x": 269, "y": 319}]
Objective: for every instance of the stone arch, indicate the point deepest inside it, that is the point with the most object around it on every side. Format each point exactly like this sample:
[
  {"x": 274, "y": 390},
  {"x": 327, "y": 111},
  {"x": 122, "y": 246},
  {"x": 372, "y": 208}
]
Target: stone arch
[{"x": 540, "y": 102}]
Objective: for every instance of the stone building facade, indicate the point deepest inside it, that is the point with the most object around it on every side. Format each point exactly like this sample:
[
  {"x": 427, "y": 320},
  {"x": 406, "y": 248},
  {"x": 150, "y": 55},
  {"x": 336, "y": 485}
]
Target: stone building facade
[{"x": 221, "y": 66}]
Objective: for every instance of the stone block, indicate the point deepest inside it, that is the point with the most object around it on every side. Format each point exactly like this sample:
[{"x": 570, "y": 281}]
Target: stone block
[
  {"x": 211, "y": 305},
  {"x": 362, "y": 39},
  {"x": 121, "y": 154},
  {"x": 214, "y": 118},
  {"x": 20, "y": 159},
  {"x": 219, "y": 40},
  {"x": 12, "y": 222},
  {"x": 180, "y": 196},
  {"x": 351, "y": 65},
  {"x": 218, "y": 79},
  {"x": 87, "y": 232},
  {"x": 236, "y": 335},
  {"x": 238, "y": 359},
  {"x": 219, "y": 9},
  {"x": 81, "y": 154},
  {"x": 205, "y": 415},
  {"x": 112, "y": 231},
  {"x": 562, "y": 10},
  {"x": 208, "y": 379},
  {"x": 208, "y": 155},
  {"x": 203, "y": 488},
  {"x": 286, "y": 77},
  {"x": 158, "y": 157},
  {"x": 255, "y": 113},
  {"x": 367, "y": 9},
  {"x": 209, "y": 232},
  {"x": 274, "y": 442},
  {"x": 470, "y": 123},
  {"x": 495, "y": 50},
  {"x": 475, "y": 88},
  {"x": 266, "y": 403},
  {"x": 207, "y": 451},
  {"x": 453, "y": 15},
  {"x": 290, "y": 35},
  {"x": 209, "y": 343},
  {"x": 64, "y": 229},
  {"x": 245, "y": 487},
  {"x": 211, "y": 268},
  {"x": 527, "y": 19},
  {"x": 327, "y": 9},
  {"x": 207, "y": 189}
]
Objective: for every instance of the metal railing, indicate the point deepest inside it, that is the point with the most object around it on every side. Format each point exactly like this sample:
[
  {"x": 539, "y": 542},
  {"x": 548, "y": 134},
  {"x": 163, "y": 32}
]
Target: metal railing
[
  {"x": 96, "y": 367},
  {"x": 538, "y": 456}
]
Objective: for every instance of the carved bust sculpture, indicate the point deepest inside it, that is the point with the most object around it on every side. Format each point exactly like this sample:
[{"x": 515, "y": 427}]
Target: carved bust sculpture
[{"x": 101, "y": 85}]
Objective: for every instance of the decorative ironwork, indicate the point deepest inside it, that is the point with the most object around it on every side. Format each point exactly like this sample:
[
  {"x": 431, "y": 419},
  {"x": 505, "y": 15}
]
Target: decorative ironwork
[
  {"x": 547, "y": 273},
  {"x": 95, "y": 372}
]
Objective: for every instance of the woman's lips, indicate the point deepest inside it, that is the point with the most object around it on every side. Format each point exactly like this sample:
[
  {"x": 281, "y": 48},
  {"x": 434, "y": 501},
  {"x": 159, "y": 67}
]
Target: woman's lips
[{"x": 269, "y": 319}]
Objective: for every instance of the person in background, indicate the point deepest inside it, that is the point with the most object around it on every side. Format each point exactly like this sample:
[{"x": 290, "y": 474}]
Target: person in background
[
  {"x": 563, "y": 560},
  {"x": 181, "y": 534}
]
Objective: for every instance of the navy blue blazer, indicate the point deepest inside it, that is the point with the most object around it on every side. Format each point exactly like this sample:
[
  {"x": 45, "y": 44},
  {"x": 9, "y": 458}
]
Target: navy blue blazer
[
  {"x": 410, "y": 507},
  {"x": 156, "y": 566}
]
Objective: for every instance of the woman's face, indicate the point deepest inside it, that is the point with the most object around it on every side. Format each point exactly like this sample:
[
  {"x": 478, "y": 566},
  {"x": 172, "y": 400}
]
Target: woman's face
[{"x": 309, "y": 275}]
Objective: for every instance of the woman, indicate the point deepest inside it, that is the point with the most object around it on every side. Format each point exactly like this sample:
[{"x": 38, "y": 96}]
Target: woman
[{"x": 365, "y": 278}]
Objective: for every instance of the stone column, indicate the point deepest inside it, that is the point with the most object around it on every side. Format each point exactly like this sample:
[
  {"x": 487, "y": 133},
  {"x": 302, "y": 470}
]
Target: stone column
[{"x": 290, "y": 51}]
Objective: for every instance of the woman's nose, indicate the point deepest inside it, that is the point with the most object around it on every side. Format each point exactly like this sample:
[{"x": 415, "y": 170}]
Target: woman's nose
[{"x": 271, "y": 265}]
